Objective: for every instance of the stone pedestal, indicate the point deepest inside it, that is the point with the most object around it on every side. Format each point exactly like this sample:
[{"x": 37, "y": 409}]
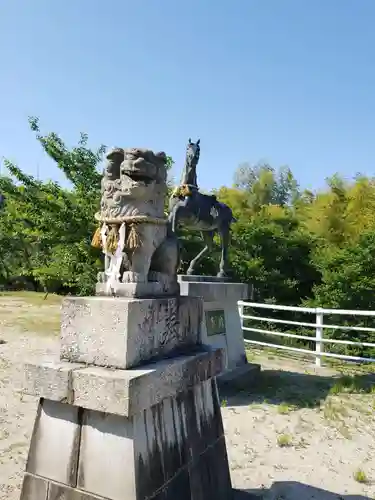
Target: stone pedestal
[
  {"x": 221, "y": 325},
  {"x": 130, "y": 409},
  {"x": 124, "y": 333}
]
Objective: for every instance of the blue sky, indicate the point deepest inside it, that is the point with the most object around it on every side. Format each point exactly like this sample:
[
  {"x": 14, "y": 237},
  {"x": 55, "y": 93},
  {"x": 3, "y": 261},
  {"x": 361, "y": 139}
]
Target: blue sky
[{"x": 286, "y": 81}]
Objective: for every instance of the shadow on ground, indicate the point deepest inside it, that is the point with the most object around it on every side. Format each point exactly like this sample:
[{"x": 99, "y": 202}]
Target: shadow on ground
[
  {"x": 290, "y": 490},
  {"x": 300, "y": 390}
]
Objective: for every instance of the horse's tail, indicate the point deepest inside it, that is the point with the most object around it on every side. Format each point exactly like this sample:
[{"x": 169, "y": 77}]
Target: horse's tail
[{"x": 233, "y": 219}]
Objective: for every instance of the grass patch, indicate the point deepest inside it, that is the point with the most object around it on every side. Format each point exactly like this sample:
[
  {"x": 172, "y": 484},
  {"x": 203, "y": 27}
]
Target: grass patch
[
  {"x": 351, "y": 368},
  {"x": 42, "y": 326},
  {"x": 353, "y": 384},
  {"x": 284, "y": 441},
  {"x": 291, "y": 390},
  {"x": 259, "y": 354},
  {"x": 345, "y": 432},
  {"x": 334, "y": 410},
  {"x": 34, "y": 298},
  {"x": 360, "y": 476},
  {"x": 285, "y": 409},
  {"x": 28, "y": 312},
  {"x": 48, "y": 325}
]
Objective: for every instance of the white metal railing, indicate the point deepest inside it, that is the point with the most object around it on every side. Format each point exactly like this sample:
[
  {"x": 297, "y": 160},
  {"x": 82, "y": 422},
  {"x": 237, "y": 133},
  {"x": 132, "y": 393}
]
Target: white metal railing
[{"x": 319, "y": 327}]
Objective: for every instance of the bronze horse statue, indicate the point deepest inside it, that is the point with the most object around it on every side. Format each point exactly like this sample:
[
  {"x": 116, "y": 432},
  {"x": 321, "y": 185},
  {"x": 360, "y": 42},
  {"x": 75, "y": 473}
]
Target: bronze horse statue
[{"x": 200, "y": 212}]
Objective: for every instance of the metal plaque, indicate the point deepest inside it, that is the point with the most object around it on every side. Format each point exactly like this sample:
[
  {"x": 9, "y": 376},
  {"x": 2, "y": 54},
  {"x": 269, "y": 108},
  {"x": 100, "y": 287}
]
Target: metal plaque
[{"x": 215, "y": 322}]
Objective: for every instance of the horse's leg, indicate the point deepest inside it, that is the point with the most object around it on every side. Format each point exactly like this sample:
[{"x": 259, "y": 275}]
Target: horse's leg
[
  {"x": 224, "y": 238},
  {"x": 175, "y": 215},
  {"x": 208, "y": 237},
  {"x": 172, "y": 218}
]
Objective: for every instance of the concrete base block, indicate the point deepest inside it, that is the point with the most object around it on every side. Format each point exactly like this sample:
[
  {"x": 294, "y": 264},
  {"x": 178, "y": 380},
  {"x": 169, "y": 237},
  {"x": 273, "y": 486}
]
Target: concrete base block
[
  {"x": 34, "y": 488},
  {"x": 221, "y": 324},
  {"x": 49, "y": 379},
  {"x": 124, "y": 392},
  {"x": 122, "y": 333},
  {"x": 55, "y": 442},
  {"x": 212, "y": 289},
  {"x": 246, "y": 495},
  {"x": 175, "y": 449},
  {"x": 149, "y": 289},
  {"x": 240, "y": 378}
]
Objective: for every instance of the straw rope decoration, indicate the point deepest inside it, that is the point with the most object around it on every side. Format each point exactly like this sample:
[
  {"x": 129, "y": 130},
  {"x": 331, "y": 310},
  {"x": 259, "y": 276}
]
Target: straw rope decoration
[
  {"x": 183, "y": 190},
  {"x": 133, "y": 239}
]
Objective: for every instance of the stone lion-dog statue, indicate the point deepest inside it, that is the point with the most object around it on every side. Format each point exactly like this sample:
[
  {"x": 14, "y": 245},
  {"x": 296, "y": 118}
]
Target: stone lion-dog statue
[{"x": 141, "y": 253}]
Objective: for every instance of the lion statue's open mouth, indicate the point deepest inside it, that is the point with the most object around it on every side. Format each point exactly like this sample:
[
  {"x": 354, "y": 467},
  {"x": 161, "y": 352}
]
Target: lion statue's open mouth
[{"x": 138, "y": 178}]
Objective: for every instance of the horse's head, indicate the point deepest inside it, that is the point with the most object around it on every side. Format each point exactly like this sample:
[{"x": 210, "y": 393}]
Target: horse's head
[{"x": 193, "y": 151}]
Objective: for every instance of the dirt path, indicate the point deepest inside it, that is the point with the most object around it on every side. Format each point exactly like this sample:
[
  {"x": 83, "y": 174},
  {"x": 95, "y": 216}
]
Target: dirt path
[
  {"x": 16, "y": 413},
  {"x": 300, "y": 427},
  {"x": 294, "y": 425}
]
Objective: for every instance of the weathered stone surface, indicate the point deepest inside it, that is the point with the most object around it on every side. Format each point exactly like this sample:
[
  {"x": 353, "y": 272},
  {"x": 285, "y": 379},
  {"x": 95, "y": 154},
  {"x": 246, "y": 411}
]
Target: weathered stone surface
[
  {"x": 174, "y": 449},
  {"x": 133, "y": 229},
  {"x": 122, "y": 174},
  {"x": 154, "y": 452},
  {"x": 106, "y": 462},
  {"x": 54, "y": 444},
  {"x": 34, "y": 488},
  {"x": 213, "y": 291},
  {"x": 149, "y": 289},
  {"x": 209, "y": 475},
  {"x": 178, "y": 488},
  {"x": 240, "y": 378},
  {"x": 183, "y": 441},
  {"x": 123, "y": 333},
  {"x": 61, "y": 492},
  {"x": 127, "y": 392},
  {"x": 246, "y": 495},
  {"x": 49, "y": 379},
  {"x": 204, "y": 279},
  {"x": 178, "y": 432},
  {"x": 221, "y": 324}
]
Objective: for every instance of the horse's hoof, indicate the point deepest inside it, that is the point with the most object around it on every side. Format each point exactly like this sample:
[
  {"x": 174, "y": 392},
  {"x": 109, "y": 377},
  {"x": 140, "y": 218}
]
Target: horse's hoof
[
  {"x": 221, "y": 274},
  {"x": 190, "y": 272}
]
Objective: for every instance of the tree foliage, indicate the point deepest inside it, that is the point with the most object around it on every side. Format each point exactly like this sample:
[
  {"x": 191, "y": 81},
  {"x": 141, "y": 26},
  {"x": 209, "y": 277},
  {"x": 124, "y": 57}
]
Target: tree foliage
[
  {"x": 293, "y": 246},
  {"x": 46, "y": 228}
]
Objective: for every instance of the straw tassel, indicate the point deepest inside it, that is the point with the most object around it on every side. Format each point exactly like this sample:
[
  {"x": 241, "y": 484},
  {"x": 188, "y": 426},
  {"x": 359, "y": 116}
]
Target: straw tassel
[
  {"x": 96, "y": 241},
  {"x": 134, "y": 240},
  {"x": 112, "y": 240},
  {"x": 182, "y": 191}
]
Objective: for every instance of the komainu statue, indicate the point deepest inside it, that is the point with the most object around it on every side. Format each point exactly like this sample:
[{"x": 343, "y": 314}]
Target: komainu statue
[{"x": 141, "y": 253}]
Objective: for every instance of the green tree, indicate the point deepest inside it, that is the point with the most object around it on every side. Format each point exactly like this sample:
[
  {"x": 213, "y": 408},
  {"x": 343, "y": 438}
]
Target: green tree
[
  {"x": 55, "y": 225},
  {"x": 348, "y": 282},
  {"x": 45, "y": 229},
  {"x": 265, "y": 185},
  {"x": 274, "y": 255}
]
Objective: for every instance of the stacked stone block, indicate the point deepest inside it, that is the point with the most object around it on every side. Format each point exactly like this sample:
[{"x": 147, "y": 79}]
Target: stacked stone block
[{"x": 130, "y": 410}]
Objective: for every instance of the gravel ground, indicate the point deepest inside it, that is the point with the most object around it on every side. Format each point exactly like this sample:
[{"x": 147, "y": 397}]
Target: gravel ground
[
  {"x": 300, "y": 435},
  {"x": 297, "y": 434}
]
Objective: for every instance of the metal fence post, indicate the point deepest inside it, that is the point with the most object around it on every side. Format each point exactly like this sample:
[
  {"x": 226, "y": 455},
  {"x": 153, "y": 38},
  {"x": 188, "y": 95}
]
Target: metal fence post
[
  {"x": 319, "y": 346},
  {"x": 240, "y": 312}
]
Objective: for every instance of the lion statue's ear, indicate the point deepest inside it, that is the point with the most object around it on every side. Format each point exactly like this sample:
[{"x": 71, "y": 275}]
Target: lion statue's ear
[
  {"x": 198, "y": 141},
  {"x": 115, "y": 153},
  {"x": 189, "y": 141}
]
